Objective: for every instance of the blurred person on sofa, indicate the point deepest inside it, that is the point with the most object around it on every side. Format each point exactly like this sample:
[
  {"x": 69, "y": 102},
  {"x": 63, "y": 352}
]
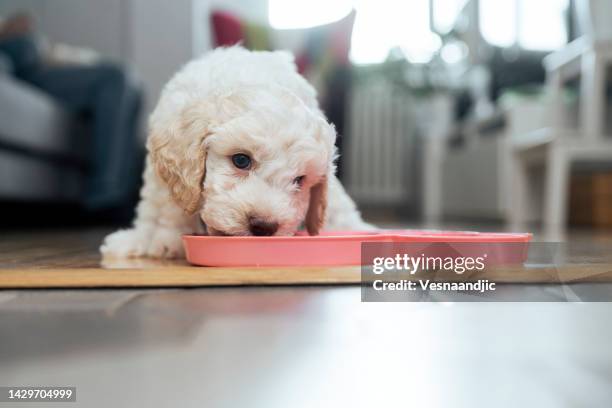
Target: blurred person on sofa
[{"x": 86, "y": 86}]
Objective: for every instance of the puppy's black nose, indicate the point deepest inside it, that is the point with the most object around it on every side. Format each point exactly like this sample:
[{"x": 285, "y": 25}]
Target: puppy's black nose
[{"x": 262, "y": 228}]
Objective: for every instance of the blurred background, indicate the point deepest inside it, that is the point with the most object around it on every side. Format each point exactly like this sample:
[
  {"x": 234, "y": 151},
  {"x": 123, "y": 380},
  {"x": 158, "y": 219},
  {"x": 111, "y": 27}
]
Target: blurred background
[{"x": 478, "y": 110}]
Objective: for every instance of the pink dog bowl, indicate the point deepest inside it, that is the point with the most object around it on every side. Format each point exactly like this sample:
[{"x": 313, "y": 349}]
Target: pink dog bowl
[{"x": 333, "y": 248}]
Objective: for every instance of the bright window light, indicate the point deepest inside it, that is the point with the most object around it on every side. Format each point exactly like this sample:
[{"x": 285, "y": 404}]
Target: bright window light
[
  {"x": 385, "y": 24},
  {"x": 380, "y": 25},
  {"x": 542, "y": 24},
  {"x": 498, "y": 21},
  {"x": 445, "y": 13},
  {"x": 531, "y": 24},
  {"x": 286, "y": 14}
]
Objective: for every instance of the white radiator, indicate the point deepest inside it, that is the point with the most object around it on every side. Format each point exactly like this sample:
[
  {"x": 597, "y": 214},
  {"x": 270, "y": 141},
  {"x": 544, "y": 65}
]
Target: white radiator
[{"x": 379, "y": 147}]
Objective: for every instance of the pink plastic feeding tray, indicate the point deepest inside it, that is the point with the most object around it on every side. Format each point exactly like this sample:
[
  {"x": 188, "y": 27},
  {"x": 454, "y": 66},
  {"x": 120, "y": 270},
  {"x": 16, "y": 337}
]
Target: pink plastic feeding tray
[{"x": 332, "y": 248}]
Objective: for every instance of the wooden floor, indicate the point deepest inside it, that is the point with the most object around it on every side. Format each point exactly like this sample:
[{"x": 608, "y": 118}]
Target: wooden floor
[
  {"x": 264, "y": 346},
  {"x": 70, "y": 258}
]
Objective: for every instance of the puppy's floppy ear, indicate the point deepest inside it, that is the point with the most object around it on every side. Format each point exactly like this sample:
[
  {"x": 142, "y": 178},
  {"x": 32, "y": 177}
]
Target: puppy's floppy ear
[
  {"x": 178, "y": 156},
  {"x": 315, "y": 217}
]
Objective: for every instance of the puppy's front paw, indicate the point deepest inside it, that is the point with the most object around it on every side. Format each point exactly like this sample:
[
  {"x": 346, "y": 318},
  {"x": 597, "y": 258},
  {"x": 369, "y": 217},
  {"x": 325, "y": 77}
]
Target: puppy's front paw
[
  {"x": 129, "y": 243},
  {"x": 133, "y": 243},
  {"x": 166, "y": 243}
]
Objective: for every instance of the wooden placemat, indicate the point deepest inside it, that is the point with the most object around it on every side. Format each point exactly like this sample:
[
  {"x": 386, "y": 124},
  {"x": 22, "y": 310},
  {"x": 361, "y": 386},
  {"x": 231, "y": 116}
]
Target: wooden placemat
[
  {"x": 188, "y": 276},
  {"x": 179, "y": 276}
]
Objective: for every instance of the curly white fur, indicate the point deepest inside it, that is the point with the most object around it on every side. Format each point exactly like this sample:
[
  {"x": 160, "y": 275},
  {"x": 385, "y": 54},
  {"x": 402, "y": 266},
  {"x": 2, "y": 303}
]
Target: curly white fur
[{"x": 235, "y": 101}]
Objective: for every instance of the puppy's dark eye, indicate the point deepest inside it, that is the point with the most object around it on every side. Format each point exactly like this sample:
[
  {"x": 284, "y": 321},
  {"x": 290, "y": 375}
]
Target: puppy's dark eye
[
  {"x": 241, "y": 160},
  {"x": 298, "y": 181}
]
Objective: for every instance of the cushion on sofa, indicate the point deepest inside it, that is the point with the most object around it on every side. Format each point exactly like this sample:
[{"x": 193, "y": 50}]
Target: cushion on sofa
[{"x": 33, "y": 122}]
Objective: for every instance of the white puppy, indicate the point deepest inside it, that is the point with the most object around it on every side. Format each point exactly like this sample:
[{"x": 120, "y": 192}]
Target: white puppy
[{"x": 237, "y": 146}]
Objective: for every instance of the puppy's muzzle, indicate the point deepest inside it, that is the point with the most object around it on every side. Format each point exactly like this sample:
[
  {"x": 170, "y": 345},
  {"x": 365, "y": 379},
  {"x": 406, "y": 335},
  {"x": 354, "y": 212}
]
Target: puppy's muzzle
[{"x": 262, "y": 228}]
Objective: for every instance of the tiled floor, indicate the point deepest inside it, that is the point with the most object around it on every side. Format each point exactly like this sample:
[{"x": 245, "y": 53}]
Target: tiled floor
[{"x": 303, "y": 347}]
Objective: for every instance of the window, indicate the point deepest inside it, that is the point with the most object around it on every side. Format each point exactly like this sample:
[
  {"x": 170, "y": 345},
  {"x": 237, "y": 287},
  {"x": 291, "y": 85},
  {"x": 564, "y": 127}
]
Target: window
[
  {"x": 380, "y": 25},
  {"x": 384, "y": 24},
  {"x": 445, "y": 13},
  {"x": 534, "y": 25},
  {"x": 284, "y": 14}
]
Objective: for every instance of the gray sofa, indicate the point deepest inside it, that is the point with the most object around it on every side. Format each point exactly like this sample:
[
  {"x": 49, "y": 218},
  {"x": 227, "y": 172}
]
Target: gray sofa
[{"x": 42, "y": 148}]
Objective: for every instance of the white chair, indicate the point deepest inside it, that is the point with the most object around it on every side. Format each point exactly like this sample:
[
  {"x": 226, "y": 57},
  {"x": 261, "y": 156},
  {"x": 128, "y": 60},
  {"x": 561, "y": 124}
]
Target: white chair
[{"x": 551, "y": 152}]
